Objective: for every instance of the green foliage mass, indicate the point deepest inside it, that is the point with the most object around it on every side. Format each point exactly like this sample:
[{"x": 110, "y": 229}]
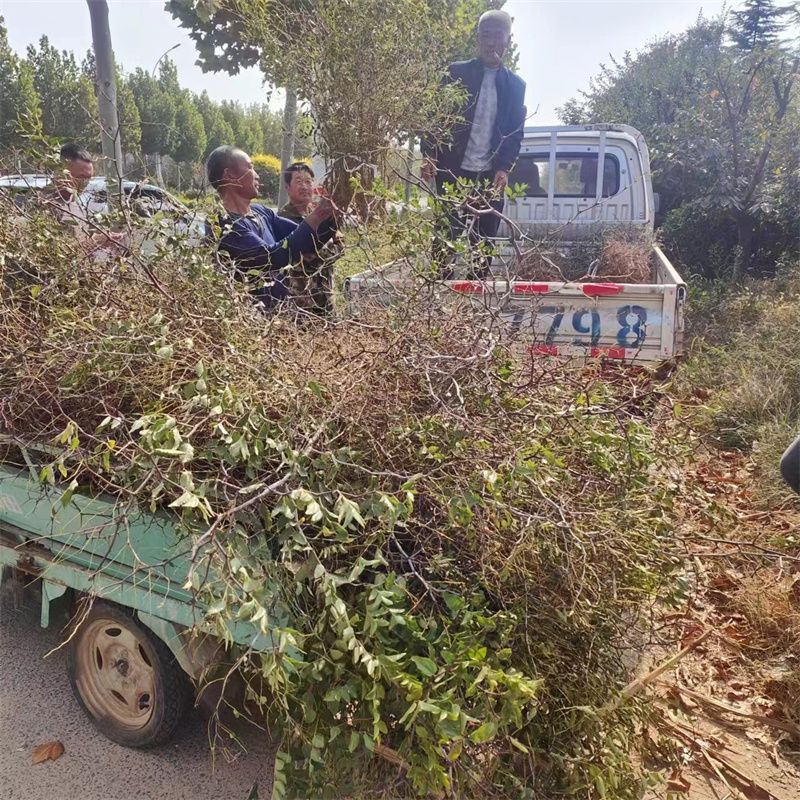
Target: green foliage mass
[
  {"x": 449, "y": 543},
  {"x": 721, "y": 122}
]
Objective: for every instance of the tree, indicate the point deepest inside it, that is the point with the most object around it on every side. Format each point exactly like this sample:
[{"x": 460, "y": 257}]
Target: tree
[
  {"x": 219, "y": 30},
  {"x": 157, "y": 109},
  {"x": 20, "y": 106},
  {"x": 318, "y": 49},
  {"x": 717, "y": 120},
  {"x": 69, "y": 105},
  {"x": 130, "y": 122},
  {"x": 190, "y": 135},
  {"x": 217, "y": 129},
  {"x": 362, "y": 97},
  {"x": 247, "y": 131},
  {"x": 758, "y": 25},
  {"x": 271, "y": 126}
]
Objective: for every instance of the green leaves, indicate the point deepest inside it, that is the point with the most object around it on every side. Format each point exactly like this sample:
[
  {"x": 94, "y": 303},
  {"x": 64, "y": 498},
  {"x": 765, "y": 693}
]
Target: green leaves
[
  {"x": 427, "y": 666},
  {"x": 484, "y": 733}
]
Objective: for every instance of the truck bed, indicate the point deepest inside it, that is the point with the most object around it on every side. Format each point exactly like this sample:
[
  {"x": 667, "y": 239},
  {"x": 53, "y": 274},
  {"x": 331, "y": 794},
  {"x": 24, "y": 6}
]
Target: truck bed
[
  {"x": 641, "y": 322},
  {"x": 91, "y": 545}
]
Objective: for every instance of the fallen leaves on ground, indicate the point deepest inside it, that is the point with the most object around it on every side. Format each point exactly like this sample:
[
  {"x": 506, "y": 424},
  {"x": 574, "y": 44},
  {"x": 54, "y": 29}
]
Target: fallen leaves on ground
[{"x": 49, "y": 751}]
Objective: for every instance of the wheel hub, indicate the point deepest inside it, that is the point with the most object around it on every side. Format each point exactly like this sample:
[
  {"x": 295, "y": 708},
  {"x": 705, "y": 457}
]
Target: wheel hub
[{"x": 116, "y": 677}]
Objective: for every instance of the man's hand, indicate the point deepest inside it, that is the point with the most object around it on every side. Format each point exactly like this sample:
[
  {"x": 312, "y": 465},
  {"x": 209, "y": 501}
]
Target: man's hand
[
  {"x": 322, "y": 210},
  {"x": 500, "y": 180},
  {"x": 428, "y": 170}
]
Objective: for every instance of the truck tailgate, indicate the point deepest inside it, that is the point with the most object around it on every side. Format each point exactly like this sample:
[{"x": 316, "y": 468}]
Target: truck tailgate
[
  {"x": 631, "y": 322},
  {"x": 634, "y": 323}
]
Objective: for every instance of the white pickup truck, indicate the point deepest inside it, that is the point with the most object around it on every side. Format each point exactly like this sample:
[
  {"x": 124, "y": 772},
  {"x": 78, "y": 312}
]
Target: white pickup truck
[{"x": 566, "y": 202}]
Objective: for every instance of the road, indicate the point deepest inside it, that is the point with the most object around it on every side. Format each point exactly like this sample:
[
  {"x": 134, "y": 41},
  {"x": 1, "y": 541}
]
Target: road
[{"x": 37, "y": 705}]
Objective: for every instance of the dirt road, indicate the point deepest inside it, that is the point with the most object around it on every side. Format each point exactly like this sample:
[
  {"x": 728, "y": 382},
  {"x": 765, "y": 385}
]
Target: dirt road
[{"x": 37, "y": 705}]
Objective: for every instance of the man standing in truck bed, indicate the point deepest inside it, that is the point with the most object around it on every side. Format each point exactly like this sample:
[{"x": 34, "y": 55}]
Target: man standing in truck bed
[{"x": 484, "y": 145}]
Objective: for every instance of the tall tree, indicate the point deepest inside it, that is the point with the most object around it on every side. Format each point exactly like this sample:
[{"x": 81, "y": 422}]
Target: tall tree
[
  {"x": 128, "y": 114},
  {"x": 271, "y": 128},
  {"x": 717, "y": 119},
  {"x": 130, "y": 122},
  {"x": 217, "y": 129},
  {"x": 157, "y": 109},
  {"x": 69, "y": 105},
  {"x": 759, "y": 24},
  {"x": 190, "y": 134},
  {"x": 234, "y": 114},
  {"x": 20, "y": 107}
]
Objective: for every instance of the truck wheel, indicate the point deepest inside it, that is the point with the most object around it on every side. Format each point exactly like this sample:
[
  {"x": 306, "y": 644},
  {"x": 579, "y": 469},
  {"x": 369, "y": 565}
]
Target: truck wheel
[{"x": 126, "y": 679}]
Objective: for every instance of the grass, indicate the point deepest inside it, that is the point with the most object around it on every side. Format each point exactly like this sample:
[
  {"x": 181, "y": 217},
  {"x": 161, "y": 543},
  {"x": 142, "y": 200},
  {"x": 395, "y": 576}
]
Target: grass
[{"x": 747, "y": 351}]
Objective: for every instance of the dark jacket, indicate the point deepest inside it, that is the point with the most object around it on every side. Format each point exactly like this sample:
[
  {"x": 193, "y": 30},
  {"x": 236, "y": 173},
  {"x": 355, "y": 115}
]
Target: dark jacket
[
  {"x": 509, "y": 123},
  {"x": 264, "y": 242}
]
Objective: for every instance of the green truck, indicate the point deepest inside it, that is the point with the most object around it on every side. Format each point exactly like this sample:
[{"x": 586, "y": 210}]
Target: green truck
[{"x": 139, "y": 639}]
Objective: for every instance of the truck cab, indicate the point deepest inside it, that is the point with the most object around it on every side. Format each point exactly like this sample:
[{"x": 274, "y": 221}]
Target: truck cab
[{"x": 566, "y": 195}]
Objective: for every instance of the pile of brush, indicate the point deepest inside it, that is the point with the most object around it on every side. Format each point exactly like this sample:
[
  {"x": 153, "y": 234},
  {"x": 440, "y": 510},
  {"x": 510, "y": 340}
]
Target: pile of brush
[{"x": 460, "y": 535}]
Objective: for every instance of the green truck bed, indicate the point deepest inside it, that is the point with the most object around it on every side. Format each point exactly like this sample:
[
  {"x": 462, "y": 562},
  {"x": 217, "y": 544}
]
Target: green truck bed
[{"x": 92, "y": 545}]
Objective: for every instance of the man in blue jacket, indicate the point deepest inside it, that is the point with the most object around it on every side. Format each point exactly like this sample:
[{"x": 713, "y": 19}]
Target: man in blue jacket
[
  {"x": 484, "y": 144},
  {"x": 261, "y": 244}
]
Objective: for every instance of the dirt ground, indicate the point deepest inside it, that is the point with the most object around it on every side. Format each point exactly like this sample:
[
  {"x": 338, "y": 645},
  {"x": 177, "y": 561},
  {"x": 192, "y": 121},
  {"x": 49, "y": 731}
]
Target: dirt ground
[{"x": 728, "y": 712}]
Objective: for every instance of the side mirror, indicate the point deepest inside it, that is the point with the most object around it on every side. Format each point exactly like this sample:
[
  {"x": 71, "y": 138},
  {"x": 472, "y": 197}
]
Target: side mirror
[{"x": 656, "y": 202}]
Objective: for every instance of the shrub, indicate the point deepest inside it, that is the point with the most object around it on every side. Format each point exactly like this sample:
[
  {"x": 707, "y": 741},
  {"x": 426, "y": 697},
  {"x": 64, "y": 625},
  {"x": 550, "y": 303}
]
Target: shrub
[
  {"x": 448, "y": 542},
  {"x": 268, "y": 168},
  {"x": 748, "y": 354},
  {"x": 702, "y": 241}
]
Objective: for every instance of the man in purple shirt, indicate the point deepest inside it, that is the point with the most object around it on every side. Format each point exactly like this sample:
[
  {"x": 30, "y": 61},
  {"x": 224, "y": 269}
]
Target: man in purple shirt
[{"x": 259, "y": 242}]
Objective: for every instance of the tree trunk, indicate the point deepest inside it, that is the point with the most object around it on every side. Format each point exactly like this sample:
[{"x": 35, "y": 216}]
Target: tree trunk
[
  {"x": 159, "y": 170},
  {"x": 106, "y": 98},
  {"x": 745, "y": 235},
  {"x": 344, "y": 194},
  {"x": 287, "y": 143},
  {"x": 409, "y": 168}
]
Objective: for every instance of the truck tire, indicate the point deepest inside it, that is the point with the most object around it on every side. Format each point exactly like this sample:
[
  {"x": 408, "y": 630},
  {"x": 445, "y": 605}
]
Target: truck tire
[{"x": 125, "y": 678}]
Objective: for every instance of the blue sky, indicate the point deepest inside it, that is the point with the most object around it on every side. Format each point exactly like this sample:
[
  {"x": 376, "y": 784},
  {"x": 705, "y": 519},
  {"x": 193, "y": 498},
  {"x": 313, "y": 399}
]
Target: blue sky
[{"x": 561, "y": 42}]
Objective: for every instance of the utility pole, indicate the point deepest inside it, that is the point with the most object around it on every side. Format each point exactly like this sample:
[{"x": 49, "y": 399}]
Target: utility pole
[{"x": 107, "y": 98}]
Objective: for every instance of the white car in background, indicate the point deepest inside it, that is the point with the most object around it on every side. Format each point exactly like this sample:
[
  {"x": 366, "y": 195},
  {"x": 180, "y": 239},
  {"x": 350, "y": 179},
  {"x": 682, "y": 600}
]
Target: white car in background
[{"x": 145, "y": 200}]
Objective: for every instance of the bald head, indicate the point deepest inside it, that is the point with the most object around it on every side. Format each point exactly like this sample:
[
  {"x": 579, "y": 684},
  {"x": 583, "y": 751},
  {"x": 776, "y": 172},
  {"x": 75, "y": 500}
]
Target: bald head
[
  {"x": 230, "y": 171},
  {"x": 222, "y": 158},
  {"x": 494, "y": 36},
  {"x": 496, "y": 17}
]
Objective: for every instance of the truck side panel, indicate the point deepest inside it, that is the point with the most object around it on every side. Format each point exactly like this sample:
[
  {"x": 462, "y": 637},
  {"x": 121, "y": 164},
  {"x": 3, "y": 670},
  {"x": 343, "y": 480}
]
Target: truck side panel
[{"x": 621, "y": 321}]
